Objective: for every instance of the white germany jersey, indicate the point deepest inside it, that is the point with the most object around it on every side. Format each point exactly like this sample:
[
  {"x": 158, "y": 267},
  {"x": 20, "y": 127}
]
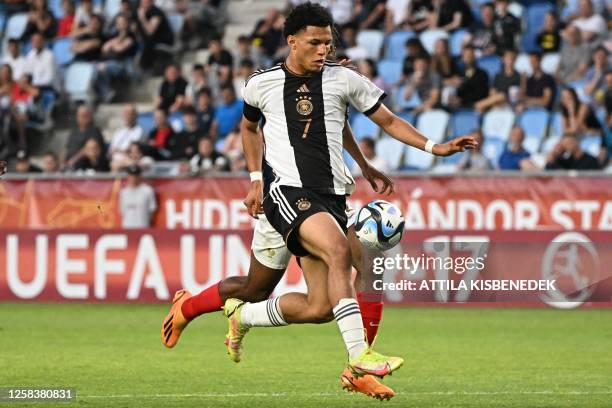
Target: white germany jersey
[{"x": 303, "y": 118}]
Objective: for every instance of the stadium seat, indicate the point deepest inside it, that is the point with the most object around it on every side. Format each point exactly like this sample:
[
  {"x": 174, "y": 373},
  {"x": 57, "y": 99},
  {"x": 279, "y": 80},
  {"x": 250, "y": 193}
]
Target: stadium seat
[
  {"x": 492, "y": 149},
  {"x": 16, "y": 26},
  {"x": 176, "y": 121},
  {"x": 429, "y": 37},
  {"x": 444, "y": 168},
  {"x": 364, "y": 127},
  {"x": 464, "y": 122},
  {"x": 550, "y": 62},
  {"x": 395, "y": 48},
  {"x": 2, "y": 21},
  {"x": 556, "y": 126},
  {"x": 534, "y": 15},
  {"x": 456, "y": 42},
  {"x": 146, "y": 120},
  {"x": 516, "y": 9},
  {"x": 434, "y": 123},
  {"x": 523, "y": 65},
  {"x": 408, "y": 117},
  {"x": 371, "y": 40},
  {"x": 56, "y": 8},
  {"x": 591, "y": 144},
  {"x": 390, "y": 71},
  {"x": 491, "y": 64},
  {"x": 549, "y": 144},
  {"x": 497, "y": 124},
  {"x": 529, "y": 43},
  {"x": 415, "y": 159},
  {"x": 391, "y": 150},
  {"x": 112, "y": 8},
  {"x": 176, "y": 22},
  {"x": 78, "y": 81},
  {"x": 453, "y": 160},
  {"x": 535, "y": 124},
  {"x": 406, "y": 104},
  {"x": 62, "y": 51}
]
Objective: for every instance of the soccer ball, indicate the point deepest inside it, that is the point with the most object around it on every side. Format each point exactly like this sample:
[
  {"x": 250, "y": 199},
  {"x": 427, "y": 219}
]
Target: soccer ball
[{"x": 379, "y": 225}]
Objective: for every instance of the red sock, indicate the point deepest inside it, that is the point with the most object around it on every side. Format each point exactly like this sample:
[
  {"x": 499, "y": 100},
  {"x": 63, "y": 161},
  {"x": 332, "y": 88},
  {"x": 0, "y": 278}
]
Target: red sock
[
  {"x": 371, "y": 313},
  {"x": 207, "y": 301}
]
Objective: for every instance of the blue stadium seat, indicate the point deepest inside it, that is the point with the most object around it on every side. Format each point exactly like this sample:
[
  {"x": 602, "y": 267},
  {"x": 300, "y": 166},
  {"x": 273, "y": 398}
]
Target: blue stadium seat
[
  {"x": 534, "y": 15},
  {"x": 430, "y": 37},
  {"x": 408, "y": 117},
  {"x": 372, "y": 41},
  {"x": 391, "y": 150},
  {"x": 535, "y": 124},
  {"x": 56, "y": 8},
  {"x": 395, "y": 48},
  {"x": 550, "y": 63},
  {"x": 434, "y": 123},
  {"x": 454, "y": 159},
  {"x": 556, "y": 126},
  {"x": 549, "y": 144},
  {"x": 529, "y": 42},
  {"x": 492, "y": 64},
  {"x": 363, "y": 127},
  {"x": 16, "y": 26},
  {"x": 492, "y": 149},
  {"x": 498, "y": 123},
  {"x": 111, "y": 8},
  {"x": 176, "y": 22},
  {"x": 406, "y": 104},
  {"x": 62, "y": 51},
  {"x": 146, "y": 120},
  {"x": 415, "y": 159},
  {"x": 176, "y": 121},
  {"x": 522, "y": 65},
  {"x": 456, "y": 42},
  {"x": 591, "y": 144},
  {"x": 390, "y": 71},
  {"x": 464, "y": 122},
  {"x": 78, "y": 81}
]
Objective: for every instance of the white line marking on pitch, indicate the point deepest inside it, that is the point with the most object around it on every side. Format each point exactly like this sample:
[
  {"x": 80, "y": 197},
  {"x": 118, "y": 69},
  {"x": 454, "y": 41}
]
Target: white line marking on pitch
[{"x": 268, "y": 395}]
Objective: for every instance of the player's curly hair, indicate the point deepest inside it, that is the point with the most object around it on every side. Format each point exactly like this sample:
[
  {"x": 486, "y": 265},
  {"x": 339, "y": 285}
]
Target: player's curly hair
[{"x": 307, "y": 14}]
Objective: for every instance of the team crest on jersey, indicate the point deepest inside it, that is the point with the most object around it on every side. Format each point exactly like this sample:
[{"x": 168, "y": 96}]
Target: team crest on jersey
[
  {"x": 303, "y": 204},
  {"x": 304, "y": 106}
]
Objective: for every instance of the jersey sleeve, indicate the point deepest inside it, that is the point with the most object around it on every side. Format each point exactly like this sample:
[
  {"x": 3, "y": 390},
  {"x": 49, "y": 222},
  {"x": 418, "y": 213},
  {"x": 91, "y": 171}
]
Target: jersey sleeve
[
  {"x": 251, "y": 109},
  {"x": 362, "y": 93}
]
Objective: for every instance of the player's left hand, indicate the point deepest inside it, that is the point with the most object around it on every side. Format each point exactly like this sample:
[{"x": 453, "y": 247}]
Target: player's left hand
[
  {"x": 3, "y": 167},
  {"x": 372, "y": 175},
  {"x": 459, "y": 144}
]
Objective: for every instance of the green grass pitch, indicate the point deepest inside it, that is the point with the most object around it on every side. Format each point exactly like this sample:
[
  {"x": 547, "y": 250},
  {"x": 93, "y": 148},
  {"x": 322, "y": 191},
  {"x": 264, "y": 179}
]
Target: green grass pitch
[{"x": 113, "y": 356}]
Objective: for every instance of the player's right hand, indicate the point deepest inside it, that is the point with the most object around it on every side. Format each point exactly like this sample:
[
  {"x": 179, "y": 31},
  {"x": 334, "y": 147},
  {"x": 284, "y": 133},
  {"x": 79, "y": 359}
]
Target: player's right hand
[
  {"x": 3, "y": 167},
  {"x": 254, "y": 199}
]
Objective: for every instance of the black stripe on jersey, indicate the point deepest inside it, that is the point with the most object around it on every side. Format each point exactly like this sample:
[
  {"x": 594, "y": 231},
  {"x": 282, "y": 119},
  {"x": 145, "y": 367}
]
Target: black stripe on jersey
[
  {"x": 305, "y": 115},
  {"x": 376, "y": 105},
  {"x": 262, "y": 71},
  {"x": 252, "y": 113}
]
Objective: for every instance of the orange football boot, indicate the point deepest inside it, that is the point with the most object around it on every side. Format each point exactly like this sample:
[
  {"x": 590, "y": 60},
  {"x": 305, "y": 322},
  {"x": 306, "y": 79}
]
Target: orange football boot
[
  {"x": 366, "y": 384},
  {"x": 174, "y": 323}
]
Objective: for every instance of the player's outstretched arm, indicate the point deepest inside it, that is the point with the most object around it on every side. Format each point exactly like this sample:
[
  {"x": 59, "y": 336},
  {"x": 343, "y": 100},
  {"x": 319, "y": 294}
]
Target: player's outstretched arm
[
  {"x": 252, "y": 145},
  {"x": 369, "y": 172},
  {"x": 408, "y": 134}
]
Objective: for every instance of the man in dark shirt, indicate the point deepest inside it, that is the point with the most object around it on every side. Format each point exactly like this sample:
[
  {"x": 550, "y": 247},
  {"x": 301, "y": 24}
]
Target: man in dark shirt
[
  {"x": 506, "y": 85},
  {"x": 154, "y": 29},
  {"x": 205, "y": 110},
  {"x": 172, "y": 91},
  {"x": 540, "y": 87},
  {"x": 93, "y": 158},
  {"x": 183, "y": 145},
  {"x": 567, "y": 155},
  {"x": 453, "y": 14},
  {"x": 482, "y": 33},
  {"x": 549, "y": 39},
  {"x": 88, "y": 46},
  {"x": 475, "y": 82},
  {"x": 84, "y": 130},
  {"x": 506, "y": 27}
]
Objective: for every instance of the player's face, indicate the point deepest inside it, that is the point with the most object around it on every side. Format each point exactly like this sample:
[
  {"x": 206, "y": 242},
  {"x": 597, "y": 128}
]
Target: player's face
[{"x": 310, "y": 47}]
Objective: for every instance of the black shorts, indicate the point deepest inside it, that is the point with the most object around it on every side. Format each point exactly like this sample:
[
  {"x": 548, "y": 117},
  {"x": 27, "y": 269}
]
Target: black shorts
[{"x": 287, "y": 207}]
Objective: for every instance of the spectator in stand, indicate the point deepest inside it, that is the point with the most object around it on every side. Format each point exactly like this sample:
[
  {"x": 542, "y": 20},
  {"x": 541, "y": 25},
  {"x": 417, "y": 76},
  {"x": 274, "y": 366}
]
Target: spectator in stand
[
  {"x": 577, "y": 118},
  {"x": 85, "y": 130},
  {"x": 473, "y": 86},
  {"x": 540, "y": 88},
  {"x": 445, "y": 66},
  {"x": 245, "y": 51},
  {"x": 514, "y": 152},
  {"x": 268, "y": 33},
  {"x": 483, "y": 32},
  {"x": 24, "y": 97},
  {"x": 203, "y": 21},
  {"x": 88, "y": 45},
  {"x": 134, "y": 156},
  {"x": 396, "y": 16},
  {"x": 84, "y": 12},
  {"x": 154, "y": 30},
  {"x": 183, "y": 145},
  {"x": 506, "y": 27},
  {"x": 592, "y": 26},
  {"x": 205, "y": 110},
  {"x": 506, "y": 85},
  {"x": 24, "y": 165},
  {"x": 208, "y": 158},
  {"x": 474, "y": 160},
  {"x": 244, "y": 72},
  {"x": 370, "y": 14},
  {"x": 349, "y": 41},
  {"x": 549, "y": 39},
  {"x": 196, "y": 84},
  {"x": 595, "y": 76},
  {"x": 220, "y": 61},
  {"x": 414, "y": 48},
  {"x": 137, "y": 202},
  {"x": 117, "y": 52},
  {"x": 575, "y": 57},
  {"x": 14, "y": 58},
  {"x": 7, "y": 113},
  {"x": 66, "y": 22},
  {"x": 368, "y": 147},
  {"x": 232, "y": 149},
  {"x": 40, "y": 62},
  {"x": 424, "y": 84},
  {"x": 450, "y": 15},
  {"x": 125, "y": 136},
  {"x": 568, "y": 155},
  {"x": 228, "y": 114},
  {"x": 419, "y": 16},
  {"x": 172, "y": 91},
  {"x": 40, "y": 20},
  {"x": 50, "y": 162},
  {"x": 159, "y": 136},
  {"x": 607, "y": 97},
  {"x": 93, "y": 158},
  {"x": 367, "y": 68}
]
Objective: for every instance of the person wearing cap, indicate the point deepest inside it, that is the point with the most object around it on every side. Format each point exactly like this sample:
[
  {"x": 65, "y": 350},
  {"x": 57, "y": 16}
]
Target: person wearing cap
[{"x": 137, "y": 202}]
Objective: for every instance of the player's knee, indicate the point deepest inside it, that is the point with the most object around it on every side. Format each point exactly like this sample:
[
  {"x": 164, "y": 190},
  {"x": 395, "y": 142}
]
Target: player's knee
[
  {"x": 340, "y": 256},
  {"x": 321, "y": 314},
  {"x": 253, "y": 295}
]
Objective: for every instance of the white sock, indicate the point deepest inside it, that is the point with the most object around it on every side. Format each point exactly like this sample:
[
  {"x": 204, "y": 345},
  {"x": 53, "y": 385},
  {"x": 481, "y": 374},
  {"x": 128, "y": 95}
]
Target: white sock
[
  {"x": 348, "y": 318},
  {"x": 262, "y": 314}
]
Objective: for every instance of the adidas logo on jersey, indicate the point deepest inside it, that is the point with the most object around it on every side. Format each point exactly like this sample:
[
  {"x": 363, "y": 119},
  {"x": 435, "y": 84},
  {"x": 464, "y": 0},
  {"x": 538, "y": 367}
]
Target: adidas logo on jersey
[{"x": 303, "y": 89}]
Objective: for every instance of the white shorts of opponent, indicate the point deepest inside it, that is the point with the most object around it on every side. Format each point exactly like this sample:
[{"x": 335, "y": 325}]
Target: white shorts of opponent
[{"x": 268, "y": 245}]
